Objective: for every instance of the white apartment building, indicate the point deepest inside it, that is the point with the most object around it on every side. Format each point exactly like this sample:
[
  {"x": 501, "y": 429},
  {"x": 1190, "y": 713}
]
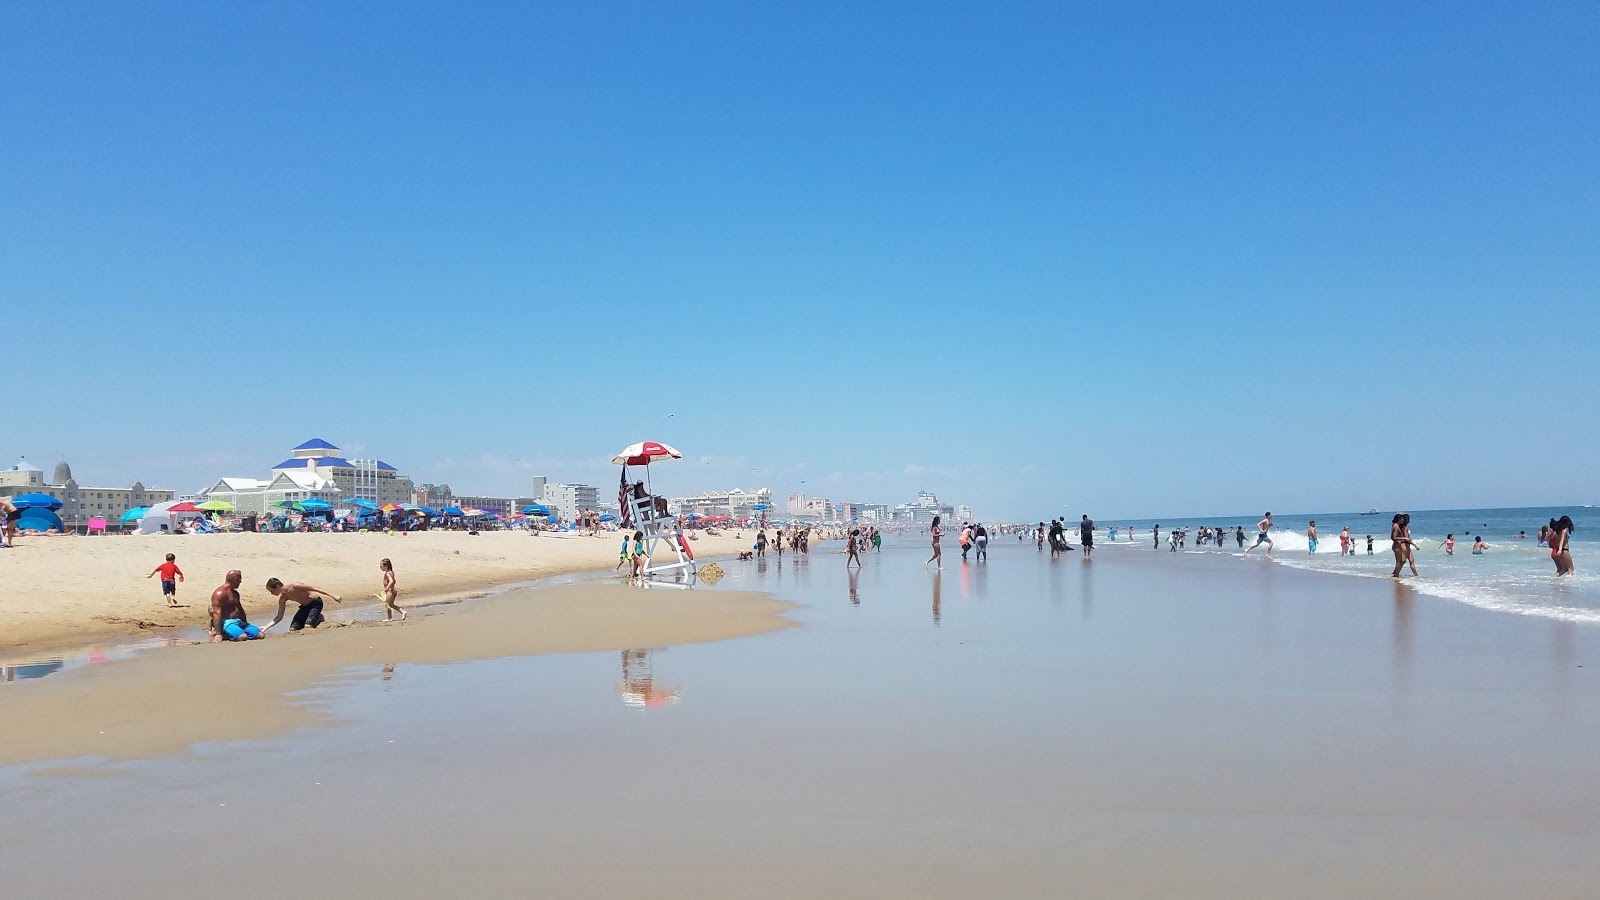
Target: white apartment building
[{"x": 566, "y": 499}]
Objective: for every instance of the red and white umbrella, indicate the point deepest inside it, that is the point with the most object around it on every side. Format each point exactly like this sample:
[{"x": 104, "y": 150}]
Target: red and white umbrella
[{"x": 644, "y": 453}]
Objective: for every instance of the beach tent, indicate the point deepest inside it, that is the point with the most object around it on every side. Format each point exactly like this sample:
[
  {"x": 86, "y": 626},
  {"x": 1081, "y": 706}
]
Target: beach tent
[
  {"x": 38, "y": 518},
  {"x": 165, "y": 517}
]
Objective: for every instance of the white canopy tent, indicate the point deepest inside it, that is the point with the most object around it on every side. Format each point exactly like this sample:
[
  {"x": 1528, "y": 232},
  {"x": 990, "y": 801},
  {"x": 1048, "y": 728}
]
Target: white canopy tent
[{"x": 161, "y": 518}]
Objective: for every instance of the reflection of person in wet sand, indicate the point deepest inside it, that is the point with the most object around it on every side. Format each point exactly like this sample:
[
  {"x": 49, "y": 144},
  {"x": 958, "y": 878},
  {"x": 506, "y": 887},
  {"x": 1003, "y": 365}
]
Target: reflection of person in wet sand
[
  {"x": 228, "y": 621},
  {"x": 309, "y": 598},
  {"x": 936, "y": 597}
]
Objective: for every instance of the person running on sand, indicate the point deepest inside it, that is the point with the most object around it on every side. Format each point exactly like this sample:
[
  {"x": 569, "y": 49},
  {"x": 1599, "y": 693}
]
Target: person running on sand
[
  {"x": 391, "y": 590},
  {"x": 1262, "y": 527},
  {"x": 309, "y": 598},
  {"x": 170, "y": 576},
  {"x": 853, "y": 548},
  {"x": 936, "y": 532},
  {"x": 228, "y": 621}
]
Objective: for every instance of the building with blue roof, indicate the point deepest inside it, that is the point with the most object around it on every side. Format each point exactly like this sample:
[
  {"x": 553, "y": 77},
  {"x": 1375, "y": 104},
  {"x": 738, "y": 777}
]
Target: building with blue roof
[{"x": 316, "y": 469}]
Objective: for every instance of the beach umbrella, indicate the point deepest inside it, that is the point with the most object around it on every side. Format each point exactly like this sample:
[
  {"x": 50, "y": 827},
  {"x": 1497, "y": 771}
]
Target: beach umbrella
[
  {"x": 134, "y": 514},
  {"x": 534, "y": 509},
  {"x": 35, "y": 501},
  {"x": 185, "y": 507},
  {"x": 362, "y": 502},
  {"x": 290, "y": 504},
  {"x": 315, "y": 504},
  {"x": 760, "y": 506},
  {"x": 217, "y": 506},
  {"x": 453, "y": 511},
  {"x": 643, "y": 453},
  {"x": 607, "y": 517},
  {"x": 420, "y": 510},
  {"x": 388, "y": 507}
]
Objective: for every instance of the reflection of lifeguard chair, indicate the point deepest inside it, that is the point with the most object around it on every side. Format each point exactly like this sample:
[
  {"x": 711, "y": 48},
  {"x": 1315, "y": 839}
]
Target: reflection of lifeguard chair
[
  {"x": 638, "y": 685},
  {"x": 651, "y": 517}
]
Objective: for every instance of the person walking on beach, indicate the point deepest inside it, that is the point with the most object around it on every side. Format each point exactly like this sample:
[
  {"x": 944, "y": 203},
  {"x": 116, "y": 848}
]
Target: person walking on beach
[
  {"x": 1311, "y": 536},
  {"x": 980, "y": 540},
  {"x": 1155, "y": 537},
  {"x": 309, "y": 599},
  {"x": 853, "y": 548},
  {"x": 390, "y": 592},
  {"x": 637, "y": 558},
  {"x": 1400, "y": 543},
  {"x": 170, "y": 576},
  {"x": 1262, "y": 527},
  {"x": 1346, "y": 548},
  {"x": 965, "y": 540},
  {"x": 228, "y": 621},
  {"x": 877, "y": 540},
  {"x": 1086, "y": 535},
  {"x": 935, "y": 531},
  {"x": 761, "y": 544}
]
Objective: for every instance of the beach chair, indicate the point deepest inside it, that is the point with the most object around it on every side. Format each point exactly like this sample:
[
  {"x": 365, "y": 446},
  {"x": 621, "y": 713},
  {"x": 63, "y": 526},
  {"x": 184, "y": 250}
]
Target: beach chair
[{"x": 96, "y": 525}]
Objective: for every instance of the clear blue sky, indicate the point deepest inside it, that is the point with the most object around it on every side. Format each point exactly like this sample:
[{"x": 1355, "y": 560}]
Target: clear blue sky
[{"x": 1133, "y": 259}]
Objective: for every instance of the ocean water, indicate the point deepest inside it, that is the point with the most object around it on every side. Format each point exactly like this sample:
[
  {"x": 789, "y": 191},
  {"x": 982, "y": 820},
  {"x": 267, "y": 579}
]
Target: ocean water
[{"x": 1514, "y": 575}]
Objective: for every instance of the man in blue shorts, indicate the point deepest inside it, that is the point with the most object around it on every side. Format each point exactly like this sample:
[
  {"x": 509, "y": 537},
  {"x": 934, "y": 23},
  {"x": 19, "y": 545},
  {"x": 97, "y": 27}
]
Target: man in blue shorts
[
  {"x": 1262, "y": 527},
  {"x": 228, "y": 621}
]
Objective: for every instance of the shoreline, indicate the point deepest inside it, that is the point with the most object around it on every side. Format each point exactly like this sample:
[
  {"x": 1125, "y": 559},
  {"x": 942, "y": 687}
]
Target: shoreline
[
  {"x": 247, "y": 688},
  {"x": 82, "y": 593}
]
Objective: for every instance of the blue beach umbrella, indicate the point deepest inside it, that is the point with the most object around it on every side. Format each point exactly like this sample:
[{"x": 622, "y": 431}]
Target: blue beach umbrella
[
  {"x": 361, "y": 503},
  {"x": 135, "y": 514},
  {"x": 759, "y": 506},
  {"x": 535, "y": 509},
  {"x": 425, "y": 510},
  {"x": 36, "y": 501},
  {"x": 453, "y": 511},
  {"x": 607, "y": 517},
  {"x": 315, "y": 504}
]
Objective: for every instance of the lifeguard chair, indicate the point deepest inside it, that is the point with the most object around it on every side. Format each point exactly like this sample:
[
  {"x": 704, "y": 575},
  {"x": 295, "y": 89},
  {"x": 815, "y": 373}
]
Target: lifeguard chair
[{"x": 643, "y": 511}]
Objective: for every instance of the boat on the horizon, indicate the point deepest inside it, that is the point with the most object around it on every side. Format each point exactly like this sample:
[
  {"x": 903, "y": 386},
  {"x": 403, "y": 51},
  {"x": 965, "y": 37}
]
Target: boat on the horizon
[{"x": 1370, "y": 512}]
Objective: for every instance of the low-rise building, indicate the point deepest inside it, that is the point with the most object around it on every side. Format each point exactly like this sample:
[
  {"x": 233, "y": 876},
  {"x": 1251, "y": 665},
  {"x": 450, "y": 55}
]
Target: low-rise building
[
  {"x": 316, "y": 470},
  {"x": 79, "y": 503}
]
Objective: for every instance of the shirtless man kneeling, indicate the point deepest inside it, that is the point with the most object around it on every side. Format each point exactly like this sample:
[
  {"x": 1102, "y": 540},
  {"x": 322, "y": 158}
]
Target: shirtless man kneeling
[
  {"x": 228, "y": 621},
  {"x": 309, "y": 598}
]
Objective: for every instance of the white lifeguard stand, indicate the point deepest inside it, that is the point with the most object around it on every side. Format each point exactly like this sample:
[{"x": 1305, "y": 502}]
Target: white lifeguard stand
[{"x": 653, "y": 519}]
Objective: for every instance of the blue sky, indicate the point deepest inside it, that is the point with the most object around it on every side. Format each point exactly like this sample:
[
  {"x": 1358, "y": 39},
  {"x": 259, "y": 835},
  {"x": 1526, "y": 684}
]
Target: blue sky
[{"x": 1128, "y": 259}]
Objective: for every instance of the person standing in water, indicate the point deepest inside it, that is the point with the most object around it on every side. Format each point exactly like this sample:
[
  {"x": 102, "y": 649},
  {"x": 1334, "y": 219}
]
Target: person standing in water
[
  {"x": 1086, "y": 535},
  {"x": 391, "y": 591},
  {"x": 1400, "y": 543},
  {"x": 1560, "y": 540},
  {"x": 1311, "y": 537},
  {"x": 935, "y": 531},
  {"x": 980, "y": 542},
  {"x": 853, "y": 548},
  {"x": 1155, "y": 537},
  {"x": 1449, "y": 545},
  {"x": 1262, "y": 527}
]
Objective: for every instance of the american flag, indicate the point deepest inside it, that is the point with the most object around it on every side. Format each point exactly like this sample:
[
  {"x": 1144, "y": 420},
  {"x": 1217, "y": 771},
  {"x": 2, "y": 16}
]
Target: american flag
[{"x": 626, "y": 513}]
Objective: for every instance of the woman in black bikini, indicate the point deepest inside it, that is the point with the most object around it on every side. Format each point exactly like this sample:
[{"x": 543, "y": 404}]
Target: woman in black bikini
[
  {"x": 1560, "y": 544},
  {"x": 1400, "y": 543},
  {"x": 937, "y": 531}
]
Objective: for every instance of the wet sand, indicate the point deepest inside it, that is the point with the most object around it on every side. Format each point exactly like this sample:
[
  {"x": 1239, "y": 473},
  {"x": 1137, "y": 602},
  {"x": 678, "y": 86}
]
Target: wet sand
[
  {"x": 1142, "y": 725},
  {"x": 69, "y": 591},
  {"x": 169, "y": 699}
]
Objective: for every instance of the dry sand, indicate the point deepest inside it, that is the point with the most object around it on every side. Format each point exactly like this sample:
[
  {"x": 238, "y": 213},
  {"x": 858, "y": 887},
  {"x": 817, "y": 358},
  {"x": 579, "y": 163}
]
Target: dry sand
[
  {"x": 70, "y": 591},
  {"x": 167, "y": 700}
]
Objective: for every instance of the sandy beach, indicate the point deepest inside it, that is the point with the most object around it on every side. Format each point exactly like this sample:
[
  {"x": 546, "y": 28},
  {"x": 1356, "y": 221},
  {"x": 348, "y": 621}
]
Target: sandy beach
[
  {"x": 1145, "y": 724},
  {"x": 69, "y": 592}
]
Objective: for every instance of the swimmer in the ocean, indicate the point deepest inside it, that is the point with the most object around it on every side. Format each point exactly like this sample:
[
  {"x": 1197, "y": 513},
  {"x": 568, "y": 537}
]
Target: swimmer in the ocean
[
  {"x": 1449, "y": 545},
  {"x": 1478, "y": 546}
]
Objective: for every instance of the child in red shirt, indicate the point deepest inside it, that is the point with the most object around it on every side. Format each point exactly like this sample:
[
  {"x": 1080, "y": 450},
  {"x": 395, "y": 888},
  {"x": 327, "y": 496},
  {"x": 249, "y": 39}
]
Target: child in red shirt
[{"x": 170, "y": 576}]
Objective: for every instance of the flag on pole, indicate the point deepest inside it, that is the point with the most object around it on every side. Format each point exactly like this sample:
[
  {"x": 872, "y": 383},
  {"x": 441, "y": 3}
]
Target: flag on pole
[{"x": 626, "y": 514}]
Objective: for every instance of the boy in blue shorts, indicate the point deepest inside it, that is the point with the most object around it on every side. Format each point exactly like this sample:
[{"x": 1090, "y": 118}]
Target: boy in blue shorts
[{"x": 170, "y": 576}]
